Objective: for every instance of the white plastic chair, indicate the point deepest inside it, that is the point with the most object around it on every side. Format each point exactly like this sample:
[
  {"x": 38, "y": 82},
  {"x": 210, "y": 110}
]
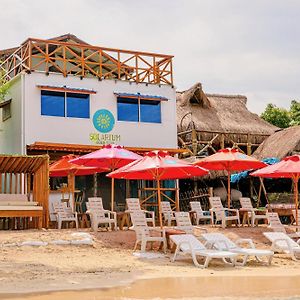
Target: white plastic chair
[
  {"x": 64, "y": 213},
  {"x": 276, "y": 225},
  {"x": 200, "y": 215},
  {"x": 294, "y": 215},
  {"x": 99, "y": 215},
  {"x": 281, "y": 242},
  {"x": 168, "y": 213},
  {"x": 221, "y": 214},
  {"x": 133, "y": 206},
  {"x": 188, "y": 244},
  {"x": 145, "y": 234},
  {"x": 222, "y": 242},
  {"x": 252, "y": 212}
]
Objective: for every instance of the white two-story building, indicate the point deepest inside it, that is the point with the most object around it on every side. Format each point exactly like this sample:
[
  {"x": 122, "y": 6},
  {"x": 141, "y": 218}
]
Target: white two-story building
[{"x": 66, "y": 96}]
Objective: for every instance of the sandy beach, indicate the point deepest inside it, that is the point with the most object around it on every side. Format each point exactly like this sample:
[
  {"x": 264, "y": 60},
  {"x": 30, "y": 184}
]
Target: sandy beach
[{"x": 110, "y": 263}]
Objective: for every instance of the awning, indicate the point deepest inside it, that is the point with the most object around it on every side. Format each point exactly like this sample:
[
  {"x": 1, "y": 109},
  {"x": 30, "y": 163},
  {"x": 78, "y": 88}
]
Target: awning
[
  {"x": 141, "y": 96},
  {"x": 64, "y": 88}
]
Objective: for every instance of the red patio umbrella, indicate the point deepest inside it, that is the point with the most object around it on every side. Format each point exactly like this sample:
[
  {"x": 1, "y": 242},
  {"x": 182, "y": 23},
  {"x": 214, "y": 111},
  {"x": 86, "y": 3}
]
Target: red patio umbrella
[
  {"x": 229, "y": 160},
  {"x": 158, "y": 165},
  {"x": 110, "y": 157},
  {"x": 289, "y": 167}
]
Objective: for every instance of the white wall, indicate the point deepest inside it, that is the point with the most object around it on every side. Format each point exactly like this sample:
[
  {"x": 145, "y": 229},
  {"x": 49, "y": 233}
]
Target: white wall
[
  {"x": 11, "y": 129},
  {"x": 40, "y": 128}
]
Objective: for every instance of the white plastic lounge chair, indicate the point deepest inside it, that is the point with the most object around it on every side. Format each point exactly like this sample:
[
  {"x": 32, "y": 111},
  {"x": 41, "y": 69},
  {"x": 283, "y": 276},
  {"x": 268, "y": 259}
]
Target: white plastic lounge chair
[
  {"x": 221, "y": 214},
  {"x": 144, "y": 233},
  {"x": 133, "y": 206},
  {"x": 99, "y": 215},
  {"x": 64, "y": 213},
  {"x": 200, "y": 215},
  {"x": 189, "y": 244},
  {"x": 281, "y": 242},
  {"x": 168, "y": 213},
  {"x": 252, "y": 212},
  {"x": 183, "y": 222},
  {"x": 222, "y": 242},
  {"x": 276, "y": 225}
]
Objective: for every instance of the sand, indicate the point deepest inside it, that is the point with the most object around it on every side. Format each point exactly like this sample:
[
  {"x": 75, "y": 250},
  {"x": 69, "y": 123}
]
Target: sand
[{"x": 110, "y": 262}]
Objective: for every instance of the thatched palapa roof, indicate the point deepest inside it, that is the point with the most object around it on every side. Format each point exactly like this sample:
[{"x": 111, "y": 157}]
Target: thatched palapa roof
[
  {"x": 280, "y": 144},
  {"x": 219, "y": 113}
]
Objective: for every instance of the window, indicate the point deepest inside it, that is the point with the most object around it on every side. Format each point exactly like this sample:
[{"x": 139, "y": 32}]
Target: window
[
  {"x": 6, "y": 110},
  {"x": 138, "y": 110},
  {"x": 62, "y": 104}
]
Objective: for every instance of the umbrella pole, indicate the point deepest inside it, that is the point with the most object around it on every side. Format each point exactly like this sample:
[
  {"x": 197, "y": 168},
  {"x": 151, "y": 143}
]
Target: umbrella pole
[
  {"x": 296, "y": 178},
  {"x": 159, "y": 202},
  {"x": 112, "y": 194},
  {"x": 228, "y": 189}
]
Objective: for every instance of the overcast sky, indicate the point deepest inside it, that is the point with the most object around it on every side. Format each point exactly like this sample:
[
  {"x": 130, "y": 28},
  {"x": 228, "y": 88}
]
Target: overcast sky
[{"x": 230, "y": 46}]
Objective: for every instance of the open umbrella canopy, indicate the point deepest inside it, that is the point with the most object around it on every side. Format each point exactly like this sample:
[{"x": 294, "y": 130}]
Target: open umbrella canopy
[
  {"x": 230, "y": 160},
  {"x": 63, "y": 167},
  {"x": 110, "y": 157},
  {"x": 158, "y": 165},
  {"x": 289, "y": 167}
]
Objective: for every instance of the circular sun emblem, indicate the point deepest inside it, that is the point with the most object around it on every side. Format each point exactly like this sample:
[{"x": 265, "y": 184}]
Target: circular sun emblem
[{"x": 103, "y": 120}]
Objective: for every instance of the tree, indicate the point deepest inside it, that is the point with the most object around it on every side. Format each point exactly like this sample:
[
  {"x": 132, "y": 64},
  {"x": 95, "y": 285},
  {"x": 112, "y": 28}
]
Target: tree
[
  {"x": 4, "y": 85},
  {"x": 277, "y": 116},
  {"x": 295, "y": 113}
]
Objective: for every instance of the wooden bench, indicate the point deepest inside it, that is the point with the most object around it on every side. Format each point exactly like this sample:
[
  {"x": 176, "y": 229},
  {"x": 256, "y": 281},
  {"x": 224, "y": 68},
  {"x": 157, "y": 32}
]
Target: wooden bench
[{"x": 18, "y": 205}]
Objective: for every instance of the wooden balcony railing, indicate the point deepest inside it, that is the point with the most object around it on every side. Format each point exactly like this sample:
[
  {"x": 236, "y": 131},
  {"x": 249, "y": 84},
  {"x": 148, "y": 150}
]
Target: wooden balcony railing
[{"x": 87, "y": 61}]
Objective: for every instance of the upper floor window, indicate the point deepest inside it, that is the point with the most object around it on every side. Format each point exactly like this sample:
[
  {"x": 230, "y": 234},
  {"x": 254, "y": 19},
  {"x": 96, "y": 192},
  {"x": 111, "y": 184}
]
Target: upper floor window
[
  {"x": 6, "y": 110},
  {"x": 136, "y": 109},
  {"x": 65, "y": 104}
]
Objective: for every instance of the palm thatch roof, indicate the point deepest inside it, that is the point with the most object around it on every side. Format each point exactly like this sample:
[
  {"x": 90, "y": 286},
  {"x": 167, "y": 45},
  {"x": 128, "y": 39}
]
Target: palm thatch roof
[
  {"x": 219, "y": 113},
  {"x": 280, "y": 144}
]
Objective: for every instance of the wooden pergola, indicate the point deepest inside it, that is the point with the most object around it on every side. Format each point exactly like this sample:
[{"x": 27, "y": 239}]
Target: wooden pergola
[{"x": 20, "y": 174}]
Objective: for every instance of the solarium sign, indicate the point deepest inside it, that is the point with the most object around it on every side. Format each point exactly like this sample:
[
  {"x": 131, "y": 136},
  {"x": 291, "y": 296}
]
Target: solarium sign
[{"x": 104, "y": 122}]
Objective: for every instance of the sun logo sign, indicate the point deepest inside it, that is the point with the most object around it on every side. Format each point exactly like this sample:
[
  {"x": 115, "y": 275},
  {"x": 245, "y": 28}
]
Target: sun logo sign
[{"x": 103, "y": 120}]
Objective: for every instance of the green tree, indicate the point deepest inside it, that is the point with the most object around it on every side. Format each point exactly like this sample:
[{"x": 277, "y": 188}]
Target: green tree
[
  {"x": 277, "y": 116},
  {"x": 295, "y": 113},
  {"x": 4, "y": 85}
]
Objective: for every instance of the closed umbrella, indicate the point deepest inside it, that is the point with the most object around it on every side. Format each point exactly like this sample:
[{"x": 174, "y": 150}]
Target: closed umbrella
[
  {"x": 229, "y": 160},
  {"x": 158, "y": 165},
  {"x": 110, "y": 157},
  {"x": 289, "y": 167}
]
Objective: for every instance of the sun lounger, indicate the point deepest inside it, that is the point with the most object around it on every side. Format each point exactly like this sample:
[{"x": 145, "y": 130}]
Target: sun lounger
[
  {"x": 183, "y": 222},
  {"x": 200, "y": 215},
  {"x": 188, "y": 244},
  {"x": 222, "y": 242},
  {"x": 281, "y": 242},
  {"x": 221, "y": 214},
  {"x": 254, "y": 213},
  {"x": 276, "y": 225},
  {"x": 133, "y": 206},
  {"x": 145, "y": 233}
]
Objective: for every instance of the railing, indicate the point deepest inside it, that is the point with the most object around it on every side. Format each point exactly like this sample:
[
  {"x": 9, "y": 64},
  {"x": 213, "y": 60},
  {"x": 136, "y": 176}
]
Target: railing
[{"x": 88, "y": 61}]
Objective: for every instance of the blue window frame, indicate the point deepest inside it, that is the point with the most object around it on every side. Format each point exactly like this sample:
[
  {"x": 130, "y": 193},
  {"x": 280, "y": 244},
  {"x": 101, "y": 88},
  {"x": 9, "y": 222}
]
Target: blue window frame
[
  {"x": 78, "y": 105},
  {"x": 150, "y": 111},
  {"x": 128, "y": 109},
  {"x": 138, "y": 110},
  {"x": 53, "y": 104},
  {"x": 62, "y": 104}
]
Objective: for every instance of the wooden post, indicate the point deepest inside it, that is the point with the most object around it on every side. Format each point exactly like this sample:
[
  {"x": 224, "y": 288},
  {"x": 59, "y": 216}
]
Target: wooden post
[
  {"x": 296, "y": 178},
  {"x": 222, "y": 141},
  {"x": 194, "y": 141},
  {"x": 159, "y": 202},
  {"x": 112, "y": 194},
  {"x": 228, "y": 189},
  {"x": 177, "y": 194}
]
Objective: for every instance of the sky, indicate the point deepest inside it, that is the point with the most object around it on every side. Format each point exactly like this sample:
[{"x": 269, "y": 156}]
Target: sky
[{"x": 242, "y": 47}]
